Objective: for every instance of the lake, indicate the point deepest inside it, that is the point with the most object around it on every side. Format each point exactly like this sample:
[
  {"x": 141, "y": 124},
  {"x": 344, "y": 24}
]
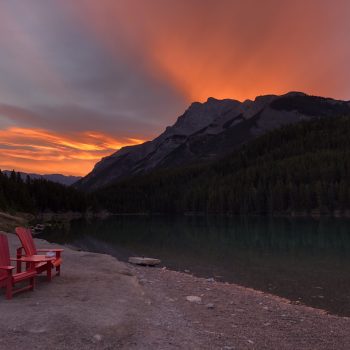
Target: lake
[{"x": 305, "y": 260}]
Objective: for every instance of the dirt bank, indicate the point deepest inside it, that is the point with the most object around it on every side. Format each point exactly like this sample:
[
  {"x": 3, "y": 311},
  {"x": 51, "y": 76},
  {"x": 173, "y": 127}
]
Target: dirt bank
[
  {"x": 8, "y": 222},
  {"x": 101, "y": 303}
]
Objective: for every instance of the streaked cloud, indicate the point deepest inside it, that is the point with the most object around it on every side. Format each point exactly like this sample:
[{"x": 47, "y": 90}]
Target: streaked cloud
[{"x": 47, "y": 152}]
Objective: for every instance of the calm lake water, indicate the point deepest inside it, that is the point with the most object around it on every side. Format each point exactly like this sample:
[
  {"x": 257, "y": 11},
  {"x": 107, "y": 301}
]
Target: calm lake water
[{"x": 304, "y": 260}]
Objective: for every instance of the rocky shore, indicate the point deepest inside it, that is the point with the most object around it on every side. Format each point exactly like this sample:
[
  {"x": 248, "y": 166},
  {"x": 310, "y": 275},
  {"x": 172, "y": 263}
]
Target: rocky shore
[{"x": 101, "y": 303}]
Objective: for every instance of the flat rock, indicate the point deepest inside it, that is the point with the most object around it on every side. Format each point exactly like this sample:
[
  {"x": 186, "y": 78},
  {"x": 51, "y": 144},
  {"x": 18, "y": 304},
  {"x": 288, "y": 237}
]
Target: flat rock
[
  {"x": 143, "y": 261},
  {"x": 194, "y": 299}
]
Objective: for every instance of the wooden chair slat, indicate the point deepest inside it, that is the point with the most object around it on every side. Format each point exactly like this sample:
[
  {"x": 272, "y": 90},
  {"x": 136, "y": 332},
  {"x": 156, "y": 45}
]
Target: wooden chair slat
[
  {"x": 4, "y": 255},
  {"x": 26, "y": 238},
  {"x": 7, "y": 278}
]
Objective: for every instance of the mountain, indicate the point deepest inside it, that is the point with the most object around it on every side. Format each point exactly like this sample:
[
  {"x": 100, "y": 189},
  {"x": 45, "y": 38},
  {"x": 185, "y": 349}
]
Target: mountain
[
  {"x": 210, "y": 130},
  {"x": 59, "y": 178},
  {"x": 297, "y": 169}
]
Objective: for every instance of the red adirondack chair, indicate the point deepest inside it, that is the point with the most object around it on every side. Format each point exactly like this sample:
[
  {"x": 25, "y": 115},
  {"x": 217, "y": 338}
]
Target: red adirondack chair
[
  {"x": 9, "y": 279},
  {"x": 42, "y": 262}
]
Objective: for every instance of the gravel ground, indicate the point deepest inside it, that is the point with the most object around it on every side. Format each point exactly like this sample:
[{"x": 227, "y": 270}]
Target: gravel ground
[{"x": 101, "y": 303}]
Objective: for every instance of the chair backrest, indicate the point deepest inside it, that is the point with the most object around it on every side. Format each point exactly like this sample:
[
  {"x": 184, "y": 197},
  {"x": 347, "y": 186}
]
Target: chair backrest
[
  {"x": 26, "y": 238},
  {"x": 4, "y": 254}
]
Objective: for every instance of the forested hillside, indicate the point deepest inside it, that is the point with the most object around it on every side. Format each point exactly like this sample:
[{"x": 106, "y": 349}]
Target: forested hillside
[
  {"x": 298, "y": 168},
  {"x": 209, "y": 131},
  {"x": 36, "y": 195}
]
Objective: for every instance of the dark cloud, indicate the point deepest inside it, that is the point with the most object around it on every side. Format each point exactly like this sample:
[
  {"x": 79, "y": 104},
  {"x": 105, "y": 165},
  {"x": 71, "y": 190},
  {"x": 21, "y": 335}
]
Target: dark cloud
[
  {"x": 56, "y": 75},
  {"x": 73, "y": 118}
]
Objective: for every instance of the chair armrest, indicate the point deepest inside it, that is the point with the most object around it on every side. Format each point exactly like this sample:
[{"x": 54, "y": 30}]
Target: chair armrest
[
  {"x": 58, "y": 251},
  {"x": 23, "y": 259},
  {"x": 50, "y": 250},
  {"x": 36, "y": 259},
  {"x": 8, "y": 268}
]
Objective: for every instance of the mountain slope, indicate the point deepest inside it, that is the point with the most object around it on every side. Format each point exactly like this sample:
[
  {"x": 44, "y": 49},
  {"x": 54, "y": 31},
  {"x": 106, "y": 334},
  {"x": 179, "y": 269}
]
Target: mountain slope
[
  {"x": 58, "y": 178},
  {"x": 210, "y": 130},
  {"x": 303, "y": 168}
]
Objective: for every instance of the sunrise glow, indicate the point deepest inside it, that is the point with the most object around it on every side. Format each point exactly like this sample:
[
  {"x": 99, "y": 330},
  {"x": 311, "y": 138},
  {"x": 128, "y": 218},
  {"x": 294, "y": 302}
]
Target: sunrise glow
[
  {"x": 41, "y": 151},
  {"x": 81, "y": 79}
]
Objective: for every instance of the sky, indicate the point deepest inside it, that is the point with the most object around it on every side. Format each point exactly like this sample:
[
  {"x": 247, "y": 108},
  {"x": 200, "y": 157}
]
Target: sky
[{"x": 80, "y": 79}]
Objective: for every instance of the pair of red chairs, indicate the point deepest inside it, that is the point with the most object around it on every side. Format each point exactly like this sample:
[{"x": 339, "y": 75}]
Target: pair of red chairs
[{"x": 28, "y": 254}]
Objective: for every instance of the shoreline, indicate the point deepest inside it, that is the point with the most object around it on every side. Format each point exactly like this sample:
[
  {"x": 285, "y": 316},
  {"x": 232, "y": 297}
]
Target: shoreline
[
  {"x": 102, "y": 303},
  {"x": 123, "y": 258},
  {"x": 8, "y": 221}
]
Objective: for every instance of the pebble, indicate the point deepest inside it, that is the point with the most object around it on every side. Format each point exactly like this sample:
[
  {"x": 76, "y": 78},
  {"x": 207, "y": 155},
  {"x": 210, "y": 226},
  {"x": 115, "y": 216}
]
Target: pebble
[
  {"x": 37, "y": 330},
  {"x": 210, "y": 306},
  {"x": 210, "y": 279},
  {"x": 97, "y": 337},
  {"x": 194, "y": 299}
]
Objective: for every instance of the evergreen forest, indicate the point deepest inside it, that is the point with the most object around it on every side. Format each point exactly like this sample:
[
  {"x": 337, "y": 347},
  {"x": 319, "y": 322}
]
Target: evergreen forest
[{"x": 303, "y": 167}]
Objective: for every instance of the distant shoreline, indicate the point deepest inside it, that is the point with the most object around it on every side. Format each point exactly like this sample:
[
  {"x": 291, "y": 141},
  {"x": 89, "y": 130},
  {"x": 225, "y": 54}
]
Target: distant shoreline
[{"x": 11, "y": 220}]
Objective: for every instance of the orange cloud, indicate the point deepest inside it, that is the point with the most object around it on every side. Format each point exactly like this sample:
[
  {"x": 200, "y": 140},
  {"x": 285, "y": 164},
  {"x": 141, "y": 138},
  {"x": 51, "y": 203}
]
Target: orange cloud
[
  {"x": 43, "y": 151},
  {"x": 230, "y": 49}
]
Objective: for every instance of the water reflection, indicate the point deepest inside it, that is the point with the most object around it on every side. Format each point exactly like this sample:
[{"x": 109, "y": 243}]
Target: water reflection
[{"x": 301, "y": 259}]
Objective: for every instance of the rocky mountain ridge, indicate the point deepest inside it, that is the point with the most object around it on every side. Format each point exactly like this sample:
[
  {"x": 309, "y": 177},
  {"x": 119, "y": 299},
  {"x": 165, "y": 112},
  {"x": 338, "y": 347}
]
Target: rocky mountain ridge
[{"x": 210, "y": 130}]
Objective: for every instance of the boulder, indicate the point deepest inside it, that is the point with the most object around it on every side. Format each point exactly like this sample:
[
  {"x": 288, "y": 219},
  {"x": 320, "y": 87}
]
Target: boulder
[{"x": 144, "y": 261}]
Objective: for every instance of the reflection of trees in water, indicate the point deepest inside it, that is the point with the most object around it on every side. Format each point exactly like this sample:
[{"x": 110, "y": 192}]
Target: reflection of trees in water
[
  {"x": 289, "y": 257},
  {"x": 278, "y": 234}
]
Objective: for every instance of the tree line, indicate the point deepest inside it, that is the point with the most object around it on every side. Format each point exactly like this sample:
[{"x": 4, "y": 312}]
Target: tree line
[{"x": 38, "y": 195}]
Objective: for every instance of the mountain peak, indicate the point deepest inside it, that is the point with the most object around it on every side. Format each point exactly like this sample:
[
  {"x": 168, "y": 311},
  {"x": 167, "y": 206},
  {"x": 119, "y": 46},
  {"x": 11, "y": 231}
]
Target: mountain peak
[
  {"x": 295, "y": 93},
  {"x": 213, "y": 100}
]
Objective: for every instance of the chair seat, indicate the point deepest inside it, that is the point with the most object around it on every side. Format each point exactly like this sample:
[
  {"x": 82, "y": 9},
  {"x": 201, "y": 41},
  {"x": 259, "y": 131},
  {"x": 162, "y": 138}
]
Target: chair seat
[
  {"x": 41, "y": 264},
  {"x": 23, "y": 275}
]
